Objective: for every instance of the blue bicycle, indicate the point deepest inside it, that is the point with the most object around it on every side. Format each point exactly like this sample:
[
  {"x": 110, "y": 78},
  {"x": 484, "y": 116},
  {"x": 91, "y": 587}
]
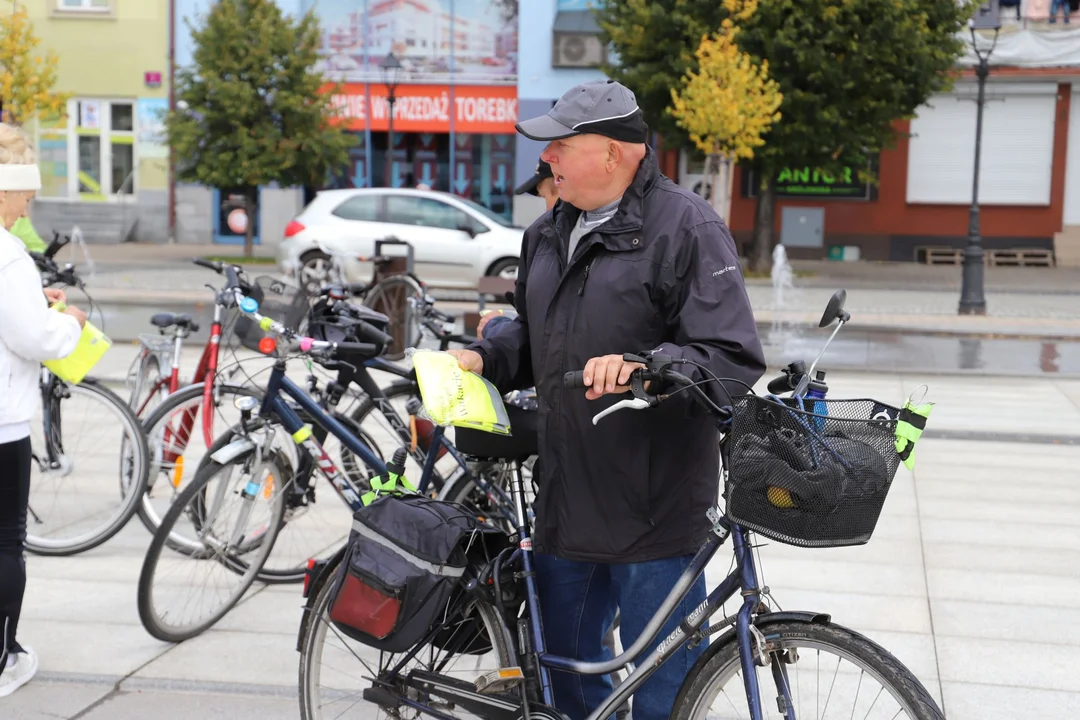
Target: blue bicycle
[
  {"x": 227, "y": 520},
  {"x": 802, "y": 469}
]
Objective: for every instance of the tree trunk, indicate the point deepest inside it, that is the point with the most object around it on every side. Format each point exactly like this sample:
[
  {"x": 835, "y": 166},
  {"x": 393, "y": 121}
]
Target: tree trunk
[
  {"x": 713, "y": 184},
  {"x": 764, "y": 225},
  {"x": 729, "y": 189},
  {"x": 249, "y": 231}
]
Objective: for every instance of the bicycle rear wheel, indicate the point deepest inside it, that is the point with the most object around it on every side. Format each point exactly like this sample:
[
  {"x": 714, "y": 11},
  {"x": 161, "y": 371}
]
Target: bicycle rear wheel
[
  {"x": 391, "y": 297},
  {"x": 816, "y": 684},
  {"x": 335, "y": 669},
  {"x": 84, "y": 440}
]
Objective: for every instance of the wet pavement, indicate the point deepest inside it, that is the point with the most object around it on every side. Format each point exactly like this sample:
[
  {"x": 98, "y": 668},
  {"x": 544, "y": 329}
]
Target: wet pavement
[{"x": 853, "y": 348}]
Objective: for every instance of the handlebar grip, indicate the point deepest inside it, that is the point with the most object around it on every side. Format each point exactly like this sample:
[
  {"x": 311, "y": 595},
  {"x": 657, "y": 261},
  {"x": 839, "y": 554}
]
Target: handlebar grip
[
  {"x": 208, "y": 264},
  {"x": 374, "y": 334},
  {"x": 574, "y": 380},
  {"x": 780, "y": 385},
  {"x": 358, "y": 348}
]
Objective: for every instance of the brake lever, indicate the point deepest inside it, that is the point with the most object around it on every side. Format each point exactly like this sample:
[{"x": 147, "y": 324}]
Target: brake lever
[{"x": 635, "y": 404}]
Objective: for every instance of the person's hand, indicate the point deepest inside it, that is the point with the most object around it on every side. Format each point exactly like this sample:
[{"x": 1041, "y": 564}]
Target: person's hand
[
  {"x": 55, "y": 295},
  {"x": 484, "y": 320},
  {"x": 607, "y": 375},
  {"x": 469, "y": 360},
  {"x": 77, "y": 314}
]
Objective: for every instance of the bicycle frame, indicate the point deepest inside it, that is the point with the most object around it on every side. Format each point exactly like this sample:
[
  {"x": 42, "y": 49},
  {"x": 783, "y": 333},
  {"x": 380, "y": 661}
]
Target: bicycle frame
[
  {"x": 273, "y": 405},
  {"x": 205, "y": 372}
]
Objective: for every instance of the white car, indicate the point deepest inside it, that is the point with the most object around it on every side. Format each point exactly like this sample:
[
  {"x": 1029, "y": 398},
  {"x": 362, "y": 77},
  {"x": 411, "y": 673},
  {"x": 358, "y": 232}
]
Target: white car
[{"x": 455, "y": 241}]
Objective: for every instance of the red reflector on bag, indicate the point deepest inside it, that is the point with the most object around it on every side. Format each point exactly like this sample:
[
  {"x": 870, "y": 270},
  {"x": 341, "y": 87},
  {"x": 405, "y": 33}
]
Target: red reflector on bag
[{"x": 364, "y": 608}]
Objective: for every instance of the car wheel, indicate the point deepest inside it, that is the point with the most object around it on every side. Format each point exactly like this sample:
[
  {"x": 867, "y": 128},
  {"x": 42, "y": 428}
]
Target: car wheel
[
  {"x": 505, "y": 268},
  {"x": 314, "y": 271}
]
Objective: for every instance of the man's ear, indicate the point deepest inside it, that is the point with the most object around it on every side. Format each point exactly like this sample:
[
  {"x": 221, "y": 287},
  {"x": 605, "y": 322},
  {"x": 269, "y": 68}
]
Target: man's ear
[{"x": 614, "y": 155}]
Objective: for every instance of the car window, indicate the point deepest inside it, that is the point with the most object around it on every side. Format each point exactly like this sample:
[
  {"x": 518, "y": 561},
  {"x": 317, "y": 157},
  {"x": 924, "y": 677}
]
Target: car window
[
  {"x": 409, "y": 210},
  {"x": 359, "y": 207}
]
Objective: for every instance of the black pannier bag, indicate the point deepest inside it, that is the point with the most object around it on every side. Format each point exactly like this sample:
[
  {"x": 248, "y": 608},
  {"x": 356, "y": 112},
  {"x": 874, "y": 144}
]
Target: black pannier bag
[{"x": 406, "y": 557}]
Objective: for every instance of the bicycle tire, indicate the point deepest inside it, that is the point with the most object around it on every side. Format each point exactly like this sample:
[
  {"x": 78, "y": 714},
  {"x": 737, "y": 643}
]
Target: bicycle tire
[
  {"x": 890, "y": 672},
  {"x": 145, "y": 381},
  {"x": 140, "y": 473},
  {"x": 313, "y": 633},
  {"x": 148, "y": 515},
  {"x": 405, "y": 330},
  {"x": 149, "y": 619}
]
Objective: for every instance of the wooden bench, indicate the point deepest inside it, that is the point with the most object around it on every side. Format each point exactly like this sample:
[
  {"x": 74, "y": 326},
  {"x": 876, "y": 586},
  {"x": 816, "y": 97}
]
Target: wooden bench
[
  {"x": 487, "y": 287},
  {"x": 939, "y": 255},
  {"x": 1020, "y": 257}
]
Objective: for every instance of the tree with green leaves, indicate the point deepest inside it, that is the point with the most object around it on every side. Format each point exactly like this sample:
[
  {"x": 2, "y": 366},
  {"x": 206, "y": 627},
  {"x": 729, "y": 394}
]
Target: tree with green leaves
[
  {"x": 251, "y": 109},
  {"x": 847, "y": 70}
]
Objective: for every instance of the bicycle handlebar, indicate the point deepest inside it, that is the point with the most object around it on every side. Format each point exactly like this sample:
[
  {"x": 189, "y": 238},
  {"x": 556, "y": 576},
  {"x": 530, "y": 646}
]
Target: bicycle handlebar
[
  {"x": 214, "y": 265},
  {"x": 658, "y": 370}
]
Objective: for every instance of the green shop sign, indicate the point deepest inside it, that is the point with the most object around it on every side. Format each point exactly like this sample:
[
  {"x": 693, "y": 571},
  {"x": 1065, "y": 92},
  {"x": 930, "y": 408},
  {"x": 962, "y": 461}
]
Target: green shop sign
[{"x": 807, "y": 182}]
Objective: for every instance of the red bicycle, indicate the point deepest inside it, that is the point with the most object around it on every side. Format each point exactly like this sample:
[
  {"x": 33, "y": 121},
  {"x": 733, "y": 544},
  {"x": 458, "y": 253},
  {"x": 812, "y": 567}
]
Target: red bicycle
[{"x": 169, "y": 407}]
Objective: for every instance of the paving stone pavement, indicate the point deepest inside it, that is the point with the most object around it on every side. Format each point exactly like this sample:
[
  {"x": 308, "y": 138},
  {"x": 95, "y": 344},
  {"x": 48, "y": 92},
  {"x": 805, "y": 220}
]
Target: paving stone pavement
[{"x": 972, "y": 579}]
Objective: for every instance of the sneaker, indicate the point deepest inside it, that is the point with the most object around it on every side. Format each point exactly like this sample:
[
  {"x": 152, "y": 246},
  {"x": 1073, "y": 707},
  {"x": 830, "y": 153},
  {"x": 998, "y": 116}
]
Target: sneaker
[{"x": 17, "y": 674}]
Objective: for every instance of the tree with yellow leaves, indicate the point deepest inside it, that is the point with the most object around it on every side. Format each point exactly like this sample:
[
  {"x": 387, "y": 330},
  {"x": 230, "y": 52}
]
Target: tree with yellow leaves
[
  {"x": 728, "y": 104},
  {"x": 26, "y": 80}
]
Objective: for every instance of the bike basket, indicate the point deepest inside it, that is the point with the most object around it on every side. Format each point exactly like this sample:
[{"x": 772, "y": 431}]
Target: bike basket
[
  {"x": 278, "y": 300},
  {"x": 813, "y": 478},
  {"x": 405, "y": 559}
]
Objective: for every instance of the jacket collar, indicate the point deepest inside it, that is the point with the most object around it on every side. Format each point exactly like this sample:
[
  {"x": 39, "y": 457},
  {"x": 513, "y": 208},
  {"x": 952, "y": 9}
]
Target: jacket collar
[{"x": 629, "y": 215}]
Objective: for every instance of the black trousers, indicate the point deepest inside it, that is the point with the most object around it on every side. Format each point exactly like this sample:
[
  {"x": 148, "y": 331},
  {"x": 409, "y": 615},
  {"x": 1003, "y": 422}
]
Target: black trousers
[{"x": 14, "y": 495}]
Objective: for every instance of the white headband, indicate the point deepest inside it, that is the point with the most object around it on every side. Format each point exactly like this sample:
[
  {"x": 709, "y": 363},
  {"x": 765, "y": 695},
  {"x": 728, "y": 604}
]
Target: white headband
[{"x": 20, "y": 177}]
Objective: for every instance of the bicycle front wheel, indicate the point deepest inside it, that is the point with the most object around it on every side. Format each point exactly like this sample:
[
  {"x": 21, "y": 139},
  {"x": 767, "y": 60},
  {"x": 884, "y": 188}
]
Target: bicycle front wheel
[
  {"x": 825, "y": 668},
  {"x": 84, "y": 439},
  {"x": 234, "y": 511}
]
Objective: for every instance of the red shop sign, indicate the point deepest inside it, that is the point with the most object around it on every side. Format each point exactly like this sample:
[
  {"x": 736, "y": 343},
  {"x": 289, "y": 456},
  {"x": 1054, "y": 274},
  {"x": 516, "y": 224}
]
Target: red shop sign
[{"x": 428, "y": 108}]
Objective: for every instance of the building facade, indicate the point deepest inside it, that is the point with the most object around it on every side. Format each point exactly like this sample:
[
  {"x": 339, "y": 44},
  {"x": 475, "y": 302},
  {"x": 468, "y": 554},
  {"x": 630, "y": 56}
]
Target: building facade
[
  {"x": 105, "y": 167},
  {"x": 454, "y": 109},
  {"x": 1029, "y": 179}
]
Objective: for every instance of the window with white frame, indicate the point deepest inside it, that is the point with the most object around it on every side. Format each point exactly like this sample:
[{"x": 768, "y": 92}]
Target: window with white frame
[
  {"x": 101, "y": 148},
  {"x": 84, "y": 5}
]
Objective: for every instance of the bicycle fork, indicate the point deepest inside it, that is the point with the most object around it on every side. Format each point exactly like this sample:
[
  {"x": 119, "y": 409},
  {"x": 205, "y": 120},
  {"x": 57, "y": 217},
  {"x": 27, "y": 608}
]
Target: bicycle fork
[{"x": 752, "y": 647}]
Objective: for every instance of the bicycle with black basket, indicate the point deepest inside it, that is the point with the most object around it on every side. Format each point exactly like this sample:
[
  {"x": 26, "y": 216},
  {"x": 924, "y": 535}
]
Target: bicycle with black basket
[{"x": 404, "y": 597}]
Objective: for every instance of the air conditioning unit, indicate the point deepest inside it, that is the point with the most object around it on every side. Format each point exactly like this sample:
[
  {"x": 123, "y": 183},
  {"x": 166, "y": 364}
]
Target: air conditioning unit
[{"x": 577, "y": 50}]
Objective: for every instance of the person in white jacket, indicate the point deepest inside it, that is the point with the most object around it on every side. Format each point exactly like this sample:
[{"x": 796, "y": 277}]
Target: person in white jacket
[{"x": 29, "y": 333}]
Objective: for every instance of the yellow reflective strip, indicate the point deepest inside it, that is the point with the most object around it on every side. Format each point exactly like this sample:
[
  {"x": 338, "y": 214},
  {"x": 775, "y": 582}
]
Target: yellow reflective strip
[{"x": 302, "y": 434}]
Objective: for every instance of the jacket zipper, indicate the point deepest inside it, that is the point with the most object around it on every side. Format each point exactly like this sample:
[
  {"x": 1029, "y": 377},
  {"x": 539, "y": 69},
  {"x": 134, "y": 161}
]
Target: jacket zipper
[{"x": 581, "y": 290}]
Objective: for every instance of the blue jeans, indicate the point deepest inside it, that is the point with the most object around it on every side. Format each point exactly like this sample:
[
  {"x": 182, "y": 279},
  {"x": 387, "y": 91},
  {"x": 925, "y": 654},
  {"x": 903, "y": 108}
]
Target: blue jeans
[
  {"x": 1056, "y": 5},
  {"x": 577, "y": 605}
]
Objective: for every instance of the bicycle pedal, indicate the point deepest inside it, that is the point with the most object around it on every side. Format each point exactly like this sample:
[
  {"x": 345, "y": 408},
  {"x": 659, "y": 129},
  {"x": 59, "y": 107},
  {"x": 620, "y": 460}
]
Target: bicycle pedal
[{"x": 498, "y": 681}]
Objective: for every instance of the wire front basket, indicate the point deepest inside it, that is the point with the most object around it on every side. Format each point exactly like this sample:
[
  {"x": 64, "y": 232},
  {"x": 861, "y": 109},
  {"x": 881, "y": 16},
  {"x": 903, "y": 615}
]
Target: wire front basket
[
  {"x": 811, "y": 477},
  {"x": 278, "y": 300}
]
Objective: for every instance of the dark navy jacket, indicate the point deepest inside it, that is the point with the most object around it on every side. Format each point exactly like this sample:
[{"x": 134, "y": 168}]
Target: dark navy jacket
[{"x": 662, "y": 274}]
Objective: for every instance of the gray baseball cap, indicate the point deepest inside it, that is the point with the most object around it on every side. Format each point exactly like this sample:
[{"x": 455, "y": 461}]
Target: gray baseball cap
[{"x": 603, "y": 107}]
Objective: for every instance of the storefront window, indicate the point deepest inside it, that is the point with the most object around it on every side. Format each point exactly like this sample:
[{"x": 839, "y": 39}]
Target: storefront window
[{"x": 482, "y": 171}]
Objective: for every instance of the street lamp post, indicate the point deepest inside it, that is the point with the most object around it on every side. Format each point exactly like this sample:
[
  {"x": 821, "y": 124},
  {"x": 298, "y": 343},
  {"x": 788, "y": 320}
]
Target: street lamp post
[
  {"x": 391, "y": 72},
  {"x": 972, "y": 297}
]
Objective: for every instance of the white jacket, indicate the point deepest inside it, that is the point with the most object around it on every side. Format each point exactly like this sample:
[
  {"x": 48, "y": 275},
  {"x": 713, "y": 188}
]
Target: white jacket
[{"x": 29, "y": 333}]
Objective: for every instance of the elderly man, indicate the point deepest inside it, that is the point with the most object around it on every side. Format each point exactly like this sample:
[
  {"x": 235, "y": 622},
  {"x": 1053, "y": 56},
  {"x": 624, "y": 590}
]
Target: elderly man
[{"x": 626, "y": 261}]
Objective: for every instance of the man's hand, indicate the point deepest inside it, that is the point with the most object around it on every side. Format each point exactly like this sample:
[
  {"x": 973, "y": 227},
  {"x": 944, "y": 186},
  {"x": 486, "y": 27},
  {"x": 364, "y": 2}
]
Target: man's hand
[
  {"x": 484, "y": 320},
  {"x": 55, "y": 295},
  {"x": 77, "y": 314},
  {"x": 607, "y": 375},
  {"x": 469, "y": 360}
]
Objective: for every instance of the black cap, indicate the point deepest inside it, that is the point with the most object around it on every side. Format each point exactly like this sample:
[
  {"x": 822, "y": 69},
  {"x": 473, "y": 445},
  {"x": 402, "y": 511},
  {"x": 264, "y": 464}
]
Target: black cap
[
  {"x": 603, "y": 107},
  {"x": 543, "y": 170}
]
